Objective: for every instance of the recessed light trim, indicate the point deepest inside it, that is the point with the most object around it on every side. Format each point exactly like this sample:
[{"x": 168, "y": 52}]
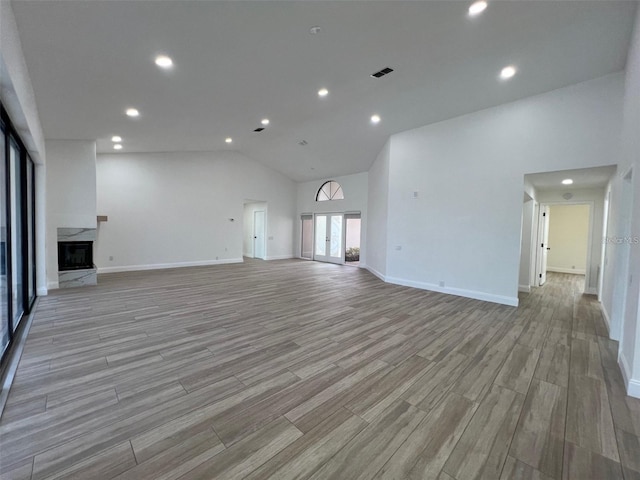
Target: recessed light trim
[
  {"x": 315, "y": 30},
  {"x": 477, "y": 8},
  {"x": 264, "y": 121},
  {"x": 323, "y": 92},
  {"x": 375, "y": 119},
  {"x": 567, "y": 181},
  {"x": 164, "y": 61},
  {"x": 508, "y": 72},
  {"x": 116, "y": 138},
  {"x": 228, "y": 140},
  {"x": 117, "y": 146},
  {"x": 132, "y": 112}
]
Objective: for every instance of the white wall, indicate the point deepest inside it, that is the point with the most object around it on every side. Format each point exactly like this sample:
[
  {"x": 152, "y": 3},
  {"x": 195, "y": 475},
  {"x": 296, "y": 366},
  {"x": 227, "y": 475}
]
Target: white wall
[
  {"x": 378, "y": 209},
  {"x": 174, "y": 209},
  {"x": 71, "y": 193},
  {"x": 464, "y": 229},
  {"x": 355, "y": 189},
  {"x": 568, "y": 238},
  {"x": 629, "y": 359}
]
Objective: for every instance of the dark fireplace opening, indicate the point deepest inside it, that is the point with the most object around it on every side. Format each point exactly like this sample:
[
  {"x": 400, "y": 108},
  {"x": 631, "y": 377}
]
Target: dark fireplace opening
[{"x": 75, "y": 255}]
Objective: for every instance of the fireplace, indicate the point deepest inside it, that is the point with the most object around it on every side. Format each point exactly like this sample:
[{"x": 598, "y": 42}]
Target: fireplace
[{"x": 75, "y": 256}]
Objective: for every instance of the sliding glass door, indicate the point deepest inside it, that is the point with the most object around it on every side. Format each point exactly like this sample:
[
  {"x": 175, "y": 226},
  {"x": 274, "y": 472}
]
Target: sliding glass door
[{"x": 17, "y": 233}]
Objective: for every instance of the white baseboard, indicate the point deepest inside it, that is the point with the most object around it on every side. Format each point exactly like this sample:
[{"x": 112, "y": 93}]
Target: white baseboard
[
  {"x": 574, "y": 271},
  {"x": 632, "y": 385},
  {"x": 591, "y": 291},
  {"x": 160, "y": 266},
  {"x": 52, "y": 286},
  {"x": 280, "y": 257},
  {"x": 42, "y": 291},
  {"x": 376, "y": 273},
  {"x": 524, "y": 288},
  {"x": 486, "y": 297}
]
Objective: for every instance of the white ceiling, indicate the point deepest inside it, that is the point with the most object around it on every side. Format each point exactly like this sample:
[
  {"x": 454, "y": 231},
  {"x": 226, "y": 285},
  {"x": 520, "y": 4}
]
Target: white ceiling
[
  {"x": 239, "y": 61},
  {"x": 582, "y": 178}
]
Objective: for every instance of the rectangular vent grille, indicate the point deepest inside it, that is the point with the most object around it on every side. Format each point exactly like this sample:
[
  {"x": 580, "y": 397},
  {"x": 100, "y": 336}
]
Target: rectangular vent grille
[
  {"x": 382, "y": 73},
  {"x": 259, "y": 129}
]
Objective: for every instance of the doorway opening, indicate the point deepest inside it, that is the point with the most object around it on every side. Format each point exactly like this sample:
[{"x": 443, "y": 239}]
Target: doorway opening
[
  {"x": 331, "y": 237},
  {"x": 254, "y": 236},
  {"x": 564, "y": 234}
]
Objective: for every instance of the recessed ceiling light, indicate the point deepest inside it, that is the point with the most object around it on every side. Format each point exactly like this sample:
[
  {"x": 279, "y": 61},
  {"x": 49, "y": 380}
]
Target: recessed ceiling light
[
  {"x": 507, "y": 72},
  {"x": 315, "y": 30},
  {"x": 228, "y": 140},
  {"x": 265, "y": 121},
  {"x": 323, "y": 92},
  {"x": 375, "y": 119},
  {"x": 132, "y": 112},
  {"x": 477, "y": 8},
  {"x": 117, "y": 146},
  {"x": 567, "y": 181},
  {"x": 164, "y": 62},
  {"x": 116, "y": 138}
]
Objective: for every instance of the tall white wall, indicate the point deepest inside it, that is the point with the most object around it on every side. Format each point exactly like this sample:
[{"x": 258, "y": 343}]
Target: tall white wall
[
  {"x": 629, "y": 161},
  {"x": 71, "y": 193},
  {"x": 464, "y": 228},
  {"x": 378, "y": 209},
  {"x": 175, "y": 209},
  {"x": 355, "y": 189}
]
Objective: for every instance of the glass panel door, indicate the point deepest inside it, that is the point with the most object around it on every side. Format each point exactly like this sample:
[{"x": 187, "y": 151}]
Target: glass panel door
[
  {"x": 4, "y": 285},
  {"x": 16, "y": 235},
  {"x": 321, "y": 235},
  {"x": 31, "y": 264},
  {"x": 329, "y": 238}
]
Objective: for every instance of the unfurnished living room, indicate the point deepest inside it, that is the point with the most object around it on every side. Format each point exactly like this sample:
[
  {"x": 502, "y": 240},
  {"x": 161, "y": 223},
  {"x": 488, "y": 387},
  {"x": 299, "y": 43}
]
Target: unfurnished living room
[{"x": 320, "y": 239}]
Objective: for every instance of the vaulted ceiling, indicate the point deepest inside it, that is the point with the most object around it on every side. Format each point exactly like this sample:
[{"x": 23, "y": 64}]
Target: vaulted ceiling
[{"x": 238, "y": 62}]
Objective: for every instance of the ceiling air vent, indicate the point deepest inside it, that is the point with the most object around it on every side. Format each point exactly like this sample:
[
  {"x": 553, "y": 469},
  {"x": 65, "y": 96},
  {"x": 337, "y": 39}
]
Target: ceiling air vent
[
  {"x": 382, "y": 73},
  {"x": 259, "y": 129}
]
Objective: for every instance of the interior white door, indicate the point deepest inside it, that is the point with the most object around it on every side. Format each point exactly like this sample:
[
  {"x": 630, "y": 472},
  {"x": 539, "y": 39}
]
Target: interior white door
[
  {"x": 543, "y": 244},
  {"x": 329, "y": 238},
  {"x": 259, "y": 247}
]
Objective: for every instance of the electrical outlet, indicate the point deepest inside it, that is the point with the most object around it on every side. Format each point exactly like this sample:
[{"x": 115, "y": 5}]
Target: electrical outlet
[
  {"x": 441, "y": 283},
  {"x": 398, "y": 247}
]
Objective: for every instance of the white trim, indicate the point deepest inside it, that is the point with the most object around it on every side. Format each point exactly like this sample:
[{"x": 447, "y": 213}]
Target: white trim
[
  {"x": 375, "y": 272},
  {"x": 487, "y": 297},
  {"x": 42, "y": 291},
  {"x": 573, "y": 271},
  {"x": 591, "y": 290},
  {"x": 52, "y": 285},
  {"x": 280, "y": 257},
  {"x": 607, "y": 320},
  {"x": 160, "y": 266},
  {"x": 524, "y": 288},
  {"x": 632, "y": 385}
]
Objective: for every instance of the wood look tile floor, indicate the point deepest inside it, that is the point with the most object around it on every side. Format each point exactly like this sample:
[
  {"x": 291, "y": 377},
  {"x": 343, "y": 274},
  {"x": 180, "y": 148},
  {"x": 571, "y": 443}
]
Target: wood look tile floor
[{"x": 294, "y": 369}]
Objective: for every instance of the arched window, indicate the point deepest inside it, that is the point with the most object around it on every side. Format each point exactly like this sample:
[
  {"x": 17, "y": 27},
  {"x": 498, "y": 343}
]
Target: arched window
[{"x": 330, "y": 190}]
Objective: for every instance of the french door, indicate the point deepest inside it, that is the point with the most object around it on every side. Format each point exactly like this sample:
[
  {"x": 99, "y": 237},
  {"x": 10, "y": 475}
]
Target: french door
[{"x": 329, "y": 238}]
